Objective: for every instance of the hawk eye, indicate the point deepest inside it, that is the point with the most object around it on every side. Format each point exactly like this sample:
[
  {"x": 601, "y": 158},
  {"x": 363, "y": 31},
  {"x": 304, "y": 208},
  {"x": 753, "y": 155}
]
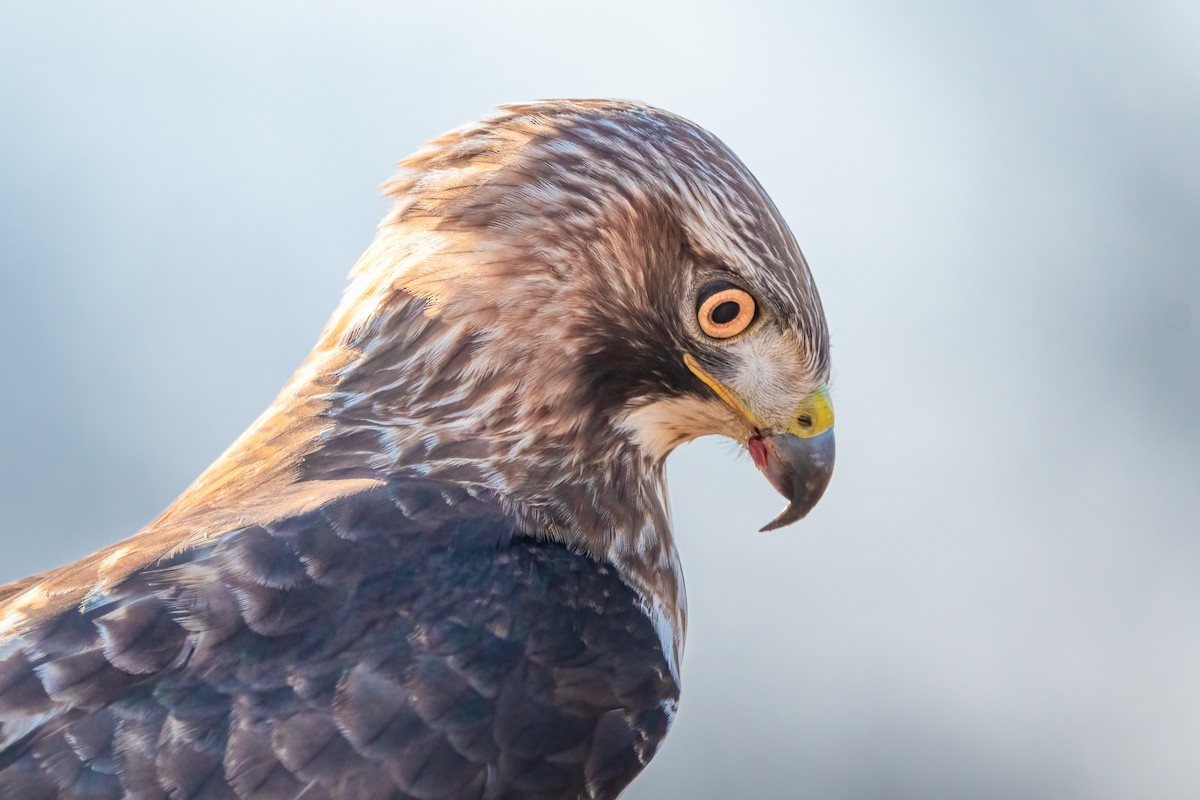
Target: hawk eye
[{"x": 724, "y": 310}]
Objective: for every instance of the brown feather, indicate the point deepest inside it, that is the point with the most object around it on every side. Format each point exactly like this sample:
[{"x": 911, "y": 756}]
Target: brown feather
[{"x": 440, "y": 565}]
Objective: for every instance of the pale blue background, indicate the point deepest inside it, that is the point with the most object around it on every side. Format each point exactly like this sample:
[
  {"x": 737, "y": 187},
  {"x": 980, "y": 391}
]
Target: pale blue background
[{"x": 999, "y": 596}]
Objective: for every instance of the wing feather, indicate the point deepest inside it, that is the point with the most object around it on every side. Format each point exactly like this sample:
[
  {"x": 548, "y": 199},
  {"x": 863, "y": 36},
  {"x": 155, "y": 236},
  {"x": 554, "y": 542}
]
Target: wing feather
[{"x": 403, "y": 642}]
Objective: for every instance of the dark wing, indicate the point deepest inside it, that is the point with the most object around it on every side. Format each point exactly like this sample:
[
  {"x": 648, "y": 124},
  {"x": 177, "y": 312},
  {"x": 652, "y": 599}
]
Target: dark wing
[{"x": 399, "y": 643}]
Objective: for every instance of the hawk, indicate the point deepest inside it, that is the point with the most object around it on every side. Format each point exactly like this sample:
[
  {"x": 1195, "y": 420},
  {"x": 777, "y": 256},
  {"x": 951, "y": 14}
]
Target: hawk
[{"x": 440, "y": 566}]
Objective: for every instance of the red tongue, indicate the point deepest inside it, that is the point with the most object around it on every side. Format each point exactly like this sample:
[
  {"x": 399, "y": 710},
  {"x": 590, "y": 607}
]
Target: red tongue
[{"x": 758, "y": 451}]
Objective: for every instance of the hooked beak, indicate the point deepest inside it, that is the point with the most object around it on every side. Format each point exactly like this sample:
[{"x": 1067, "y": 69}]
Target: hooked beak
[
  {"x": 798, "y": 461},
  {"x": 798, "y": 468}
]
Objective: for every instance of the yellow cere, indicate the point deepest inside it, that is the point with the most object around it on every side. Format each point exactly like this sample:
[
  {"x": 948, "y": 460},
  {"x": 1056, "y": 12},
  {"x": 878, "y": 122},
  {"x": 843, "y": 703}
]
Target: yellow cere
[{"x": 814, "y": 416}]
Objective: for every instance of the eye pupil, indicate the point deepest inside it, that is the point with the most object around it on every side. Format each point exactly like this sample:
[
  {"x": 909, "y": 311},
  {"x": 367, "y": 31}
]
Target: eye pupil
[{"x": 726, "y": 312}]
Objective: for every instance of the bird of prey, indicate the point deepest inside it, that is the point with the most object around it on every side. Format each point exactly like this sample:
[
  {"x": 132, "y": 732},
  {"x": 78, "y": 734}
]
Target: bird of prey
[{"x": 440, "y": 566}]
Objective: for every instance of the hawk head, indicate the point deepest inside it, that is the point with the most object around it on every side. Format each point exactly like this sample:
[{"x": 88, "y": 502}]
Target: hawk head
[{"x": 567, "y": 290}]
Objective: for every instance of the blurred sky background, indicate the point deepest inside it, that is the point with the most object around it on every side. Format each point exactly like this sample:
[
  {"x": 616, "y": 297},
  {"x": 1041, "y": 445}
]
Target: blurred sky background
[{"x": 999, "y": 596}]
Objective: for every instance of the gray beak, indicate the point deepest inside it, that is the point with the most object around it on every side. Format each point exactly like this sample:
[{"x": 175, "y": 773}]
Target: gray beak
[{"x": 799, "y": 469}]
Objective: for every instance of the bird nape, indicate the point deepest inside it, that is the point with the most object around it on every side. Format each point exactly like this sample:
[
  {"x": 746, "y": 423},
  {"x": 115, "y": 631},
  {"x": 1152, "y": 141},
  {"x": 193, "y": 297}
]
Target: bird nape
[{"x": 440, "y": 565}]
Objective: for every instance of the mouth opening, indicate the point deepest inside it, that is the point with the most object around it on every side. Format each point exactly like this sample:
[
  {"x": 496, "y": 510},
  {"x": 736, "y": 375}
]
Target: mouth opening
[{"x": 758, "y": 449}]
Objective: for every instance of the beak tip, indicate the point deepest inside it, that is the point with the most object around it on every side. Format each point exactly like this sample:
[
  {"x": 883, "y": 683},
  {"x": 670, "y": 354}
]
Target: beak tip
[{"x": 785, "y": 518}]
